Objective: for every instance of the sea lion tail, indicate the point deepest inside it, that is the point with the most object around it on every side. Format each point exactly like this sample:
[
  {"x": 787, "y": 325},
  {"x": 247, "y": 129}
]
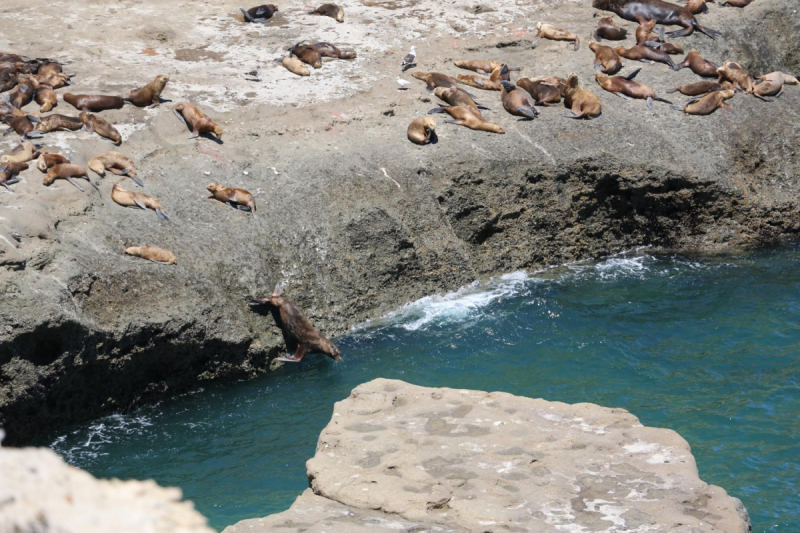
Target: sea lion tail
[
  {"x": 530, "y": 113},
  {"x": 247, "y": 16},
  {"x": 673, "y": 90}
]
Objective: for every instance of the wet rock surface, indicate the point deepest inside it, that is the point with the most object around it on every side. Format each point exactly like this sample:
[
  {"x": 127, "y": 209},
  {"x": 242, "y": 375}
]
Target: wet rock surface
[{"x": 398, "y": 456}]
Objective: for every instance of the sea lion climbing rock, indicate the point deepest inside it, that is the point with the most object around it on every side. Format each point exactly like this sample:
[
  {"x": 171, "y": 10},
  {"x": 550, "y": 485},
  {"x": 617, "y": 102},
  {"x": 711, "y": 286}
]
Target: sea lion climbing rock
[
  {"x": 101, "y": 127},
  {"x": 422, "y": 130},
  {"x": 583, "y": 103},
  {"x": 238, "y": 198},
  {"x": 128, "y": 198},
  {"x": 116, "y": 163},
  {"x": 191, "y": 115}
]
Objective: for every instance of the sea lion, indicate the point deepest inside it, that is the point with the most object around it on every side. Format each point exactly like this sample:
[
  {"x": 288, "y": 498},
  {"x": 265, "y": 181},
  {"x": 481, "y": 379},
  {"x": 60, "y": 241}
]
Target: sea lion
[
  {"x": 695, "y": 62},
  {"x": 191, "y": 115},
  {"x": 708, "y": 103},
  {"x": 456, "y": 97},
  {"x": 658, "y": 10},
  {"x": 479, "y": 82},
  {"x": 150, "y": 94},
  {"x": 68, "y": 171},
  {"x": 582, "y": 102},
  {"x": 625, "y": 87},
  {"x": 46, "y": 97},
  {"x": 543, "y": 94},
  {"x": 645, "y": 54},
  {"x": 49, "y": 67},
  {"x": 422, "y": 130},
  {"x": 10, "y": 110},
  {"x": 547, "y": 31},
  {"x": 8, "y": 79},
  {"x": 57, "y": 122},
  {"x": 700, "y": 88},
  {"x": 645, "y": 35},
  {"x": 501, "y": 73},
  {"x": 435, "y": 79},
  {"x": 307, "y": 54},
  {"x": 737, "y": 3},
  {"x": 48, "y": 161},
  {"x": 606, "y": 59},
  {"x": 734, "y": 73},
  {"x": 9, "y": 172},
  {"x": 697, "y": 6},
  {"x": 56, "y": 81},
  {"x": 22, "y": 125},
  {"x": 295, "y": 66},
  {"x": 555, "y": 81},
  {"x": 101, "y": 126},
  {"x": 238, "y": 198},
  {"x": 515, "y": 101},
  {"x": 298, "y": 332},
  {"x": 24, "y": 152},
  {"x": 116, "y": 163},
  {"x": 481, "y": 66},
  {"x": 466, "y": 117},
  {"x": 329, "y": 10},
  {"x": 260, "y": 13},
  {"x": 153, "y": 253},
  {"x": 128, "y": 198},
  {"x": 772, "y": 84},
  {"x": 93, "y": 102},
  {"x": 24, "y": 92},
  {"x": 329, "y": 50},
  {"x": 607, "y": 29},
  {"x": 670, "y": 48}
]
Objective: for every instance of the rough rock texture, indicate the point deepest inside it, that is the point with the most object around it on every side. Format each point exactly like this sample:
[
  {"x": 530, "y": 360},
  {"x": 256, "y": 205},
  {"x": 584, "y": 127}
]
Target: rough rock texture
[
  {"x": 86, "y": 330},
  {"x": 40, "y": 493},
  {"x": 397, "y": 456}
]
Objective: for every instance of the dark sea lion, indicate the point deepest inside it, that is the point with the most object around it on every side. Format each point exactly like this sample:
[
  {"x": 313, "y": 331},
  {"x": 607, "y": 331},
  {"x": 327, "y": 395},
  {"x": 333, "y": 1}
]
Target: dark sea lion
[
  {"x": 700, "y": 88},
  {"x": 93, "y": 102},
  {"x": 260, "y": 13},
  {"x": 191, "y": 115},
  {"x": 329, "y": 50},
  {"x": 436, "y": 79},
  {"x": 24, "y": 152},
  {"x": 238, "y": 198},
  {"x": 128, "y": 198},
  {"x": 466, "y": 117},
  {"x": 101, "y": 127},
  {"x": 582, "y": 102},
  {"x": 295, "y": 66},
  {"x": 9, "y": 172},
  {"x": 456, "y": 97},
  {"x": 46, "y": 97},
  {"x": 8, "y": 79},
  {"x": 644, "y": 53},
  {"x": 298, "y": 332},
  {"x": 625, "y": 87},
  {"x": 116, "y": 163},
  {"x": 24, "y": 92},
  {"x": 695, "y": 62},
  {"x": 515, "y": 101},
  {"x": 543, "y": 94},
  {"x": 68, "y": 171},
  {"x": 150, "y": 94},
  {"x": 307, "y": 54},
  {"x": 607, "y": 29},
  {"x": 708, "y": 103},
  {"x": 329, "y": 10},
  {"x": 57, "y": 122},
  {"x": 606, "y": 59},
  {"x": 48, "y": 161},
  {"x": 153, "y": 253},
  {"x": 734, "y": 73},
  {"x": 22, "y": 125},
  {"x": 658, "y": 10},
  {"x": 547, "y": 31},
  {"x": 422, "y": 130}
]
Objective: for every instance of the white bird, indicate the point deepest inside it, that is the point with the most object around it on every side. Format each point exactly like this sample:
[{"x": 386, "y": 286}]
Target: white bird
[
  {"x": 403, "y": 84},
  {"x": 410, "y": 59}
]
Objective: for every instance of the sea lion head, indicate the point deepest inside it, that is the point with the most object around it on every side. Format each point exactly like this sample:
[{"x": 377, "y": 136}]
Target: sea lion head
[
  {"x": 572, "y": 81},
  {"x": 443, "y": 92},
  {"x": 420, "y": 75},
  {"x": 331, "y": 350},
  {"x": 594, "y": 46},
  {"x": 429, "y": 123},
  {"x": 95, "y": 165},
  {"x": 218, "y": 131},
  {"x": 727, "y": 94},
  {"x": 600, "y": 77},
  {"x": 340, "y": 15},
  {"x": 273, "y": 6},
  {"x": 213, "y": 187},
  {"x": 161, "y": 80}
]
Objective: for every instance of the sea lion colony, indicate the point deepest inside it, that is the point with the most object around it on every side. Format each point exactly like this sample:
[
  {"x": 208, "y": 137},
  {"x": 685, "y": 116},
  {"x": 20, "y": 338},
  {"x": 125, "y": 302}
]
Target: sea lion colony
[{"x": 28, "y": 80}]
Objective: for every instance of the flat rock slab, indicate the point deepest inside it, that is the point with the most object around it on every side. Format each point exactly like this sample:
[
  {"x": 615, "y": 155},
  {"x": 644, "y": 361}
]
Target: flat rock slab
[{"x": 475, "y": 461}]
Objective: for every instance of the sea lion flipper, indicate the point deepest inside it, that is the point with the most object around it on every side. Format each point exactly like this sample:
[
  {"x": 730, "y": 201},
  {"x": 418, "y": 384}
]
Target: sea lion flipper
[
  {"x": 4, "y": 184},
  {"x": 624, "y": 96},
  {"x": 573, "y": 115},
  {"x": 650, "y": 102},
  {"x": 633, "y": 74},
  {"x": 437, "y": 110},
  {"x": 137, "y": 181},
  {"x": 93, "y": 184},
  {"x": 677, "y": 108},
  {"x": 456, "y": 122},
  {"x": 247, "y": 17},
  {"x": 484, "y": 107},
  {"x": 139, "y": 203},
  {"x": 577, "y": 44},
  {"x": 75, "y": 183},
  {"x": 161, "y": 214},
  {"x": 673, "y": 90},
  {"x": 534, "y": 42}
]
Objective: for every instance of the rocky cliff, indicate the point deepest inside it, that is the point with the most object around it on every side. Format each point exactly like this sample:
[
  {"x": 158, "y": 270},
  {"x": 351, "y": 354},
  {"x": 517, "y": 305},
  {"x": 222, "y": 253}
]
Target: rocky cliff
[{"x": 354, "y": 219}]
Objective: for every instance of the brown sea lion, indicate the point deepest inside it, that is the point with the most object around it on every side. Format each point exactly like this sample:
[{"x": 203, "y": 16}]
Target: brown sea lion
[
  {"x": 772, "y": 84},
  {"x": 547, "y": 31},
  {"x": 697, "y": 6},
  {"x": 8, "y": 79},
  {"x": 481, "y": 66},
  {"x": 329, "y": 10},
  {"x": 93, "y": 102},
  {"x": 22, "y": 125},
  {"x": 645, "y": 54},
  {"x": 737, "y": 3},
  {"x": 9, "y": 174},
  {"x": 295, "y": 66},
  {"x": 625, "y": 87},
  {"x": 479, "y": 82},
  {"x": 24, "y": 92},
  {"x": 435, "y": 79},
  {"x": 670, "y": 48},
  {"x": 543, "y": 94},
  {"x": 658, "y": 10},
  {"x": 150, "y": 94},
  {"x": 24, "y": 152},
  {"x": 555, "y": 81},
  {"x": 260, "y": 13},
  {"x": 607, "y": 29},
  {"x": 49, "y": 67},
  {"x": 422, "y": 130},
  {"x": 57, "y": 122},
  {"x": 8, "y": 109},
  {"x": 128, "y": 198},
  {"x": 606, "y": 59},
  {"x": 68, "y": 171},
  {"x": 456, "y": 97},
  {"x": 116, "y": 163},
  {"x": 708, "y": 103},
  {"x": 466, "y": 117},
  {"x": 191, "y": 115},
  {"x": 307, "y": 54},
  {"x": 48, "y": 161},
  {"x": 56, "y": 81},
  {"x": 700, "y": 88},
  {"x": 153, "y": 253},
  {"x": 101, "y": 126},
  {"x": 645, "y": 35},
  {"x": 583, "y": 103},
  {"x": 46, "y": 97},
  {"x": 329, "y": 50},
  {"x": 515, "y": 101},
  {"x": 298, "y": 332},
  {"x": 695, "y": 62},
  {"x": 238, "y": 198},
  {"x": 734, "y": 73}
]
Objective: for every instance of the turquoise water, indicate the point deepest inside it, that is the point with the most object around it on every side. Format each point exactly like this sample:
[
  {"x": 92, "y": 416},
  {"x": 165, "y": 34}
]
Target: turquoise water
[{"x": 709, "y": 347}]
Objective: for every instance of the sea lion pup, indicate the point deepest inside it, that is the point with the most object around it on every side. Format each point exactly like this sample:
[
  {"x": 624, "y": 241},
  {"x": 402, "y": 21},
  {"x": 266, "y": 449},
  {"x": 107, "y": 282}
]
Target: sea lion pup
[
  {"x": 68, "y": 171},
  {"x": 625, "y": 87},
  {"x": 708, "y": 103},
  {"x": 24, "y": 152},
  {"x": 695, "y": 62},
  {"x": 697, "y": 6},
  {"x": 329, "y": 50},
  {"x": 22, "y": 125},
  {"x": 260, "y": 13},
  {"x": 435, "y": 79},
  {"x": 422, "y": 130},
  {"x": 658, "y": 10},
  {"x": 606, "y": 59},
  {"x": 191, "y": 115},
  {"x": 101, "y": 126},
  {"x": 607, "y": 29},
  {"x": 150, "y": 94},
  {"x": 547, "y": 31},
  {"x": 479, "y": 82},
  {"x": 645, "y": 35},
  {"x": 298, "y": 332},
  {"x": 543, "y": 94},
  {"x": 57, "y": 122},
  {"x": 116, "y": 163},
  {"x": 9, "y": 172},
  {"x": 238, "y": 198},
  {"x": 582, "y": 102},
  {"x": 295, "y": 66},
  {"x": 466, "y": 117},
  {"x": 555, "y": 81},
  {"x": 645, "y": 54},
  {"x": 329, "y": 10},
  {"x": 153, "y": 253},
  {"x": 307, "y": 54},
  {"x": 772, "y": 84},
  {"x": 701, "y": 88},
  {"x": 515, "y": 101},
  {"x": 128, "y": 198},
  {"x": 734, "y": 73},
  {"x": 48, "y": 161},
  {"x": 46, "y": 97},
  {"x": 93, "y": 102},
  {"x": 456, "y": 97}
]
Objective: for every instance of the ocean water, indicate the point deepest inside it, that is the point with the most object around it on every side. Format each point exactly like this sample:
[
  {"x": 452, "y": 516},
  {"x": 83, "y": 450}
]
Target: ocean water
[{"x": 709, "y": 347}]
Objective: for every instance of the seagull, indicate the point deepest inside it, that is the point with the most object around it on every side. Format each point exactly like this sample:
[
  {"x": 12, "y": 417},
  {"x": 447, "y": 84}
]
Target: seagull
[
  {"x": 410, "y": 59},
  {"x": 255, "y": 75},
  {"x": 403, "y": 84}
]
